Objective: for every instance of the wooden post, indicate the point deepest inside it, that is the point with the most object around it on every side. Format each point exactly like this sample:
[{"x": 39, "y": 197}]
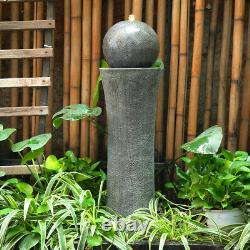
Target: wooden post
[
  {"x": 137, "y": 9},
  {"x": 75, "y": 71},
  {"x": 182, "y": 77},
  {"x": 210, "y": 63},
  {"x": 86, "y": 76},
  {"x": 245, "y": 107},
  {"x": 150, "y": 12},
  {"x": 196, "y": 69},
  {"x": 224, "y": 58},
  {"x": 37, "y": 63},
  {"x": 96, "y": 56},
  {"x": 110, "y": 13},
  {"x": 66, "y": 70},
  {"x": 238, "y": 37},
  {"x": 161, "y": 29},
  {"x": 127, "y": 8},
  {"x": 14, "y": 63},
  {"x": 174, "y": 60},
  {"x": 26, "y": 69}
]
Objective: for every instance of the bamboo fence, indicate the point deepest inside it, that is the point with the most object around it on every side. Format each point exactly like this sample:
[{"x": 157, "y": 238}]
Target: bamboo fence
[
  {"x": 179, "y": 99},
  {"x": 14, "y": 71},
  {"x": 26, "y": 68},
  {"x": 75, "y": 70},
  {"x": 245, "y": 105},
  {"x": 161, "y": 29},
  {"x": 224, "y": 65},
  {"x": 37, "y": 63},
  {"x": 237, "y": 51},
  {"x": 182, "y": 76},
  {"x": 66, "y": 67},
  {"x": 196, "y": 69},
  {"x": 210, "y": 63},
  {"x": 95, "y": 64},
  {"x": 174, "y": 62},
  {"x": 86, "y": 73}
]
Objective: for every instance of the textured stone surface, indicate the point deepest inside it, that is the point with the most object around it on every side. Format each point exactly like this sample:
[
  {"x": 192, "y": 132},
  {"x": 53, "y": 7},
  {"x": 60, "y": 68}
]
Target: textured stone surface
[
  {"x": 130, "y": 44},
  {"x": 130, "y": 96}
]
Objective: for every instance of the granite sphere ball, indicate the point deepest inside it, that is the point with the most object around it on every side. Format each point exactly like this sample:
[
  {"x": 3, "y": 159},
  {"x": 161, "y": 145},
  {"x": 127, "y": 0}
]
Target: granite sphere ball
[{"x": 130, "y": 44}]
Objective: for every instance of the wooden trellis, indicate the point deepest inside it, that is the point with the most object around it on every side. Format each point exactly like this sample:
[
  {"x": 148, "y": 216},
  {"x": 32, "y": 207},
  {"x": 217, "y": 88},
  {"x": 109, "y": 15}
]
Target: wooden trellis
[{"x": 42, "y": 83}]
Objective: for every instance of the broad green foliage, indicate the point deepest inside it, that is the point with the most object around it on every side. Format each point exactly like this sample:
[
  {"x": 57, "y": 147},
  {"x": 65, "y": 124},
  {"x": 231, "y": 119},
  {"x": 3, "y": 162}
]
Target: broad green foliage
[
  {"x": 213, "y": 181},
  {"x": 5, "y": 133},
  {"x": 74, "y": 113},
  {"x": 207, "y": 142},
  {"x": 34, "y": 143},
  {"x": 87, "y": 173},
  {"x": 64, "y": 215}
]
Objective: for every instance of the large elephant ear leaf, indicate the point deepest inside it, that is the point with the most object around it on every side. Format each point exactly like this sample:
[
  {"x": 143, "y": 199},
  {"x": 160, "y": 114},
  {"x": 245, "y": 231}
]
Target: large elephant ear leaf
[
  {"x": 6, "y": 133},
  {"x": 207, "y": 142},
  {"x": 74, "y": 113},
  {"x": 33, "y": 143}
]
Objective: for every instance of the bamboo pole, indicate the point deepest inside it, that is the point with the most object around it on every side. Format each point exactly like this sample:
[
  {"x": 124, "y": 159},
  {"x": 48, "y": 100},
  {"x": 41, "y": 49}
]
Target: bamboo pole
[
  {"x": 66, "y": 70},
  {"x": 150, "y": 12},
  {"x": 110, "y": 13},
  {"x": 161, "y": 29},
  {"x": 210, "y": 63},
  {"x": 75, "y": 71},
  {"x": 26, "y": 69},
  {"x": 127, "y": 8},
  {"x": 224, "y": 58},
  {"x": 14, "y": 64},
  {"x": 175, "y": 42},
  {"x": 86, "y": 76},
  {"x": 182, "y": 76},
  {"x": 96, "y": 56},
  {"x": 137, "y": 9},
  {"x": 196, "y": 69},
  {"x": 245, "y": 107},
  {"x": 37, "y": 63},
  {"x": 238, "y": 37}
]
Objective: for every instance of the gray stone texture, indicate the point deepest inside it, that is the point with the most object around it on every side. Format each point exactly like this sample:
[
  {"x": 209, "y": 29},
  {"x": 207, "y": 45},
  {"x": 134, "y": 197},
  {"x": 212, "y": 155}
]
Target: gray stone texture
[
  {"x": 130, "y": 44},
  {"x": 130, "y": 96}
]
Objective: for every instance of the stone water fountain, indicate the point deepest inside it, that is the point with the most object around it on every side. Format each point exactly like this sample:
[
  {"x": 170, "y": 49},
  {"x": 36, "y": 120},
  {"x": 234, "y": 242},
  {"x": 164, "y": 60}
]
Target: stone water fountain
[{"x": 130, "y": 87}]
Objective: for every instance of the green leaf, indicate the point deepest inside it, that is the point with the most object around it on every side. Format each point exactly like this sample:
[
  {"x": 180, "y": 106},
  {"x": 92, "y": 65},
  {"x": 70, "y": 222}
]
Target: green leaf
[
  {"x": 61, "y": 238},
  {"x": 5, "y": 224},
  {"x": 94, "y": 241},
  {"x": 34, "y": 143},
  {"x": 32, "y": 155},
  {"x": 181, "y": 174},
  {"x": 1, "y": 127},
  {"x": 44, "y": 208},
  {"x": 26, "y": 207},
  {"x": 96, "y": 95},
  {"x": 29, "y": 241},
  {"x": 169, "y": 185},
  {"x": 52, "y": 163},
  {"x": 6, "y": 133},
  {"x": 25, "y": 188},
  {"x": 217, "y": 194},
  {"x": 207, "y": 142},
  {"x": 5, "y": 211},
  {"x": 158, "y": 64},
  {"x": 42, "y": 230},
  {"x": 2, "y": 174},
  {"x": 74, "y": 113}
]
